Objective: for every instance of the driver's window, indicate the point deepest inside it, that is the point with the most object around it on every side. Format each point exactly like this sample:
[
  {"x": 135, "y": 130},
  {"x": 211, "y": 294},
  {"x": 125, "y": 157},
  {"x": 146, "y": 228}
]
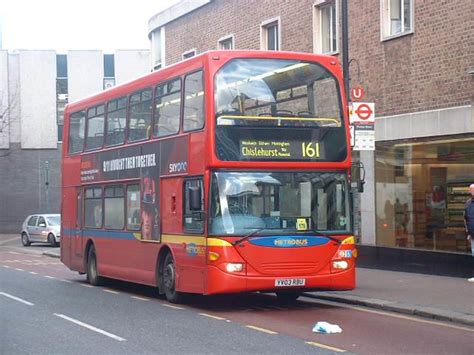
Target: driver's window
[{"x": 41, "y": 222}]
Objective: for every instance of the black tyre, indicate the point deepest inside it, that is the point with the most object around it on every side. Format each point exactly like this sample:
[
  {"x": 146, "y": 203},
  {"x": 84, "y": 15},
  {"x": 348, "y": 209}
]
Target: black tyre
[
  {"x": 287, "y": 296},
  {"x": 25, "y": 240},
  {"x": 169, "y": 280},
  {"x": 92, "y": 274},
  {"x": 52, "y": 240}
]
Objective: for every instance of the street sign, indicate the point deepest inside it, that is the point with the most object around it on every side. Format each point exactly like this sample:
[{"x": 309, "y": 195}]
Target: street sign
[
  {"x": 357, "y": 93},
  {"x": 363, "y": 120},
  {"x": 363, "y": 113}
]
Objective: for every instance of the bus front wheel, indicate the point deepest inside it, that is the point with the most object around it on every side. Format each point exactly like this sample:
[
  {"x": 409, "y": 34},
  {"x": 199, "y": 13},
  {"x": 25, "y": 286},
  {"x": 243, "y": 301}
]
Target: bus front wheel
[
  {"x": 92, "y": 274},
  {"x": 169, "y": 280}
]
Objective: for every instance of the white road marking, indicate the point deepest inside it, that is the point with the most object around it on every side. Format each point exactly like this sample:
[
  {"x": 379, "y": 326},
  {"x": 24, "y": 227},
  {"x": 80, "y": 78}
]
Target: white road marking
[
  {"x": 87, "y": 285},
  {"x": 140, "y": 298},
  {"x": 261, "y": 329},
  {"x": 33, "y": 273},
  {"x": 17, "y": 299},
  {"x": 319, "y": 345},
  {"x": 65, "y": 281},
  {"x": 6, "y": 266},
  {"x": 111, "y": 291},
  {"x": 9, "y": 240},
  {"x": 211, "y": 316},
  {"x": 49, "y": 277},
  {"x": 19, "y": 269},
  {"x": 90, "y": 327},
  {"x": 170, "y": 306}
]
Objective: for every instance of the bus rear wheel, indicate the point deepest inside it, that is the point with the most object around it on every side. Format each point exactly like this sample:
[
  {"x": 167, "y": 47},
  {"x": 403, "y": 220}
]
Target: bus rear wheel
[
  {"x": 169, "y": 280},
  {"x": 92, "y": 274}
]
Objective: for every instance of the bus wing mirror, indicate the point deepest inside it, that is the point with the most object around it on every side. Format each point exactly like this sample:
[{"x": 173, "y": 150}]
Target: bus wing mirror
[
  {"x": 195, "y": 198},
  {"x": 358, "y": 171}
]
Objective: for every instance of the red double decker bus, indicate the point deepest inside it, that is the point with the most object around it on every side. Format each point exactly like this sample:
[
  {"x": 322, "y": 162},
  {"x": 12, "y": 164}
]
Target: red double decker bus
[{"x": 228, "y": 172}]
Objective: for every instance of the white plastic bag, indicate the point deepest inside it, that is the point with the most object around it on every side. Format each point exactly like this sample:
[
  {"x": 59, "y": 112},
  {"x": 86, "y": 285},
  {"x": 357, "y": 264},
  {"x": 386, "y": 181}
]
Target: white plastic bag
[{"x": 326, "y": 328}]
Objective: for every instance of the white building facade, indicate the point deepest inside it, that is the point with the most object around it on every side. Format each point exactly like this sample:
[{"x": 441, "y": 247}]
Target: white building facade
[{"x": 35, "y": 86}]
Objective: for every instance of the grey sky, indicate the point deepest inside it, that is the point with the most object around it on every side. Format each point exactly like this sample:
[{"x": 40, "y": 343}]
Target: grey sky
[{"x": 77, "y": 24}]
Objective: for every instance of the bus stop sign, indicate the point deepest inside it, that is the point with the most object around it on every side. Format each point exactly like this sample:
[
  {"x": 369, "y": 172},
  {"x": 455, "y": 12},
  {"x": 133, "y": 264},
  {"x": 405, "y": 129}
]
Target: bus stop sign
[{"x": 357, "y": 93}]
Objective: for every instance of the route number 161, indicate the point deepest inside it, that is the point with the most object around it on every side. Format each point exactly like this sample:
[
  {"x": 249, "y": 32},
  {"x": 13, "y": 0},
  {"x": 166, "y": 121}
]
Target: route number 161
[{"x": 310, "y": 149}]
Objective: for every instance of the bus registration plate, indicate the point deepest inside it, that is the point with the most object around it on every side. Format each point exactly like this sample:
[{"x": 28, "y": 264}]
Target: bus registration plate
[{"x": 289, "y": 282}]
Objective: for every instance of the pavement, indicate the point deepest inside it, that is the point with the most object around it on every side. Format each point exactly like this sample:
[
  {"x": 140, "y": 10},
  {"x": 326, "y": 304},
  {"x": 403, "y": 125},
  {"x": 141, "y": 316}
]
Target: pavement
[{"x": 430, "y": 296}]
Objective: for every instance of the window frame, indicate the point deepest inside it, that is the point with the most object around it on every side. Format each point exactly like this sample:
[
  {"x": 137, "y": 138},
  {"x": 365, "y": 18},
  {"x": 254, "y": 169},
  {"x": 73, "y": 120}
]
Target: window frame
[
  {"x": 84, "y": 117},
  {"x": 86, "y": 135},
  {"x": 183, "y": 100},
  {"x": 385, "y": 34},
  {"x": 186, "y": 54},
  {"x": 127, "y": 187},
  {"x": 264, "y": 26},
  {"x": 318, "y": 23},
  {"x": 106, "y": 124},
  {"x": 113, "y": 186},
  {"x": 129, "y": 111},
  {"x": 181, "y": 107},
  {"x": 101, "y": 198},
  {"x": 224, "y": 39}
]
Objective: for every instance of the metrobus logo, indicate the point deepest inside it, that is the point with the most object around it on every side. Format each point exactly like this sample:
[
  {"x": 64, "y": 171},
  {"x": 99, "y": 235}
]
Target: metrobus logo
[{"x": 290, "y": 242}]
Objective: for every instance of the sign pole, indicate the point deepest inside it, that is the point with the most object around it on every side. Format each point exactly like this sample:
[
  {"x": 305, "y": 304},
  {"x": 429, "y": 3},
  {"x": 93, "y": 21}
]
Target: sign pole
[{"x": 345, "y": 47}]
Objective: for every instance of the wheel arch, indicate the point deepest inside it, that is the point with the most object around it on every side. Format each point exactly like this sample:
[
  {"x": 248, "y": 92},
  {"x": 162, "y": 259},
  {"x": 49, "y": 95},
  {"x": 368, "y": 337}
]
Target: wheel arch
[{"x": 160, "y": 261}]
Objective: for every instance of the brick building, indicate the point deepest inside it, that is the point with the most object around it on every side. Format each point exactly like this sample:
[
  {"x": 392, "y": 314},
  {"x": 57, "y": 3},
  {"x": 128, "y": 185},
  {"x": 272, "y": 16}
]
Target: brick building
[
  {"x": 415, "y": 60},
  {"x": 35, "y": 86}
]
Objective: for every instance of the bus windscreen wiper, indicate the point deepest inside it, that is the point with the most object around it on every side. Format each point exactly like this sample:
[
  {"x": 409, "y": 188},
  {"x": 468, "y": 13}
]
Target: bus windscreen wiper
[
  {"x": 324, "y": 234},
  {"x": 250, "y": 235}
]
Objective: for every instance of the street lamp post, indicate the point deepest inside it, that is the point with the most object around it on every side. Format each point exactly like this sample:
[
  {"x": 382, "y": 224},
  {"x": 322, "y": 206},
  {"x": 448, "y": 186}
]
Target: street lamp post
[{"x": 46, "y": 168}]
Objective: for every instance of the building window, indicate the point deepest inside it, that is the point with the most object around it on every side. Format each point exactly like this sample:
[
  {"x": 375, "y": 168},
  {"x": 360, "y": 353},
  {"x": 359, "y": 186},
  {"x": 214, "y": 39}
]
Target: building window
[
  {"x": 397, "y": 17},
  {"x": 189, "y": 54},
  {"x": 422, "y": 186},
  {"x": 158, "y": 48},
  {"x": 109, "y": 71},
  {"x": 270, "y": 35},
  {"x": 61, "y": 92},
  {"x": 226, "y": 43},
  {"x": 325, "y": 27}
]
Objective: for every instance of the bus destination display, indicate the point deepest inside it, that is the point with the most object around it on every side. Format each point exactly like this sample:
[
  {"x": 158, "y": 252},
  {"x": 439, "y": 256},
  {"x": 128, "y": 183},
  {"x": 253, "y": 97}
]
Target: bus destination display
[{"x": 279, "y": 149}]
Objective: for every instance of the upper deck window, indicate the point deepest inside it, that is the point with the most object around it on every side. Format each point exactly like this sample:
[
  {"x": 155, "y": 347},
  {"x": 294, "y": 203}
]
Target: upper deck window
[
  {"x": 140, "y": 116},
  {"x": 77, "y": 122},
  {"x": 116, "y": 121},
  {"x": 168, "y": 108},
  {"x": 95, "y": 127},
  {"x": 272, "y": 92},
  {"x": 278, "y": 109},
  {"x": 193, "y": 102}
]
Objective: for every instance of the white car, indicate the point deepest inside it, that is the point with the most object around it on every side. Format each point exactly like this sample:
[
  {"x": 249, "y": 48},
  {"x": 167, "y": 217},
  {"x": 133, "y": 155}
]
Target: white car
[{"x": 43, "y": 228}]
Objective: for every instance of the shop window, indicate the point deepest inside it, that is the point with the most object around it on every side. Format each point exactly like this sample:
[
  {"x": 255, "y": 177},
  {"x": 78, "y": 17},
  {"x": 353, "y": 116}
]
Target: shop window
[{"x": 421, "y": 188}]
